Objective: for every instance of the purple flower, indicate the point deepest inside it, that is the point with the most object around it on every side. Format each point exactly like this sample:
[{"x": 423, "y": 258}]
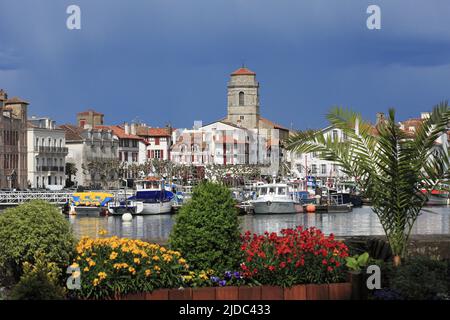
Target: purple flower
[
  {"x": 214, "y": 279},
  {"x": 228, "y": 275},
  {"x": 237, "y": 275},
  {"x": 222, "y": 283}
]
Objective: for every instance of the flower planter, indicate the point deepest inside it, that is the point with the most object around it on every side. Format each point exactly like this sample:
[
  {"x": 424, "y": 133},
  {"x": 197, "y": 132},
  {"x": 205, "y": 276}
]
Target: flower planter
[
  {"x": 133, "y": 296},
  {"x": 208, "y": 293},
  {"x": 249, "y": 293},
  {"x": 333, "y": 291},
  {"x": 160, "y": 294},
  {"x": 317, "y": 292},
  {"x": 272, "y": 293},
  {"x": 295, "y": 293},
  {"x": 180, "y": 294},
  {"x": 340, "y": 291},
  {"x": 359, "y": 287},
  {"x": 227, "y": 293}
]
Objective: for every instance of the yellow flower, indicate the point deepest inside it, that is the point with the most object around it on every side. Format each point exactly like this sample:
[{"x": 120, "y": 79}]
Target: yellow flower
[
  {"x": 113, "y": 255},
  {"x": 181, "y": 261},
  {"x": 157, "y": 268},
  {"x": 75, "y": 265},
  {"x": 162, "y": 249},
  {"x": 155, "y": 258},
  {"x": 137, "y": 260},
  {"x": 91, "y": 263},
  {"x": 86, "y": 269},
  {"x": 132, "y": 270},
  {"x": 102, "y": 275},
  {"x": 148, "y": 272},
  {"x": 95, "y": 282},
  {"x": 187, "y": 278}
]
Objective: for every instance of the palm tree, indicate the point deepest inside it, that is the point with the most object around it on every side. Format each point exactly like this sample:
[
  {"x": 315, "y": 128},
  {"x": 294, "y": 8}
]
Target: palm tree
[{"x": 389, "y": 165}]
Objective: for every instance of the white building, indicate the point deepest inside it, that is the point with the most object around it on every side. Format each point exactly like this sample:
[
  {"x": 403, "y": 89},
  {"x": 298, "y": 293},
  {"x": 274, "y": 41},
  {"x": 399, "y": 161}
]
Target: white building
[
  {"x": 88, "y": 145},
  {"x": 309, "y": 164},
  {"x": 46, "y": 154},
  {"x": 158, "y": 141}
]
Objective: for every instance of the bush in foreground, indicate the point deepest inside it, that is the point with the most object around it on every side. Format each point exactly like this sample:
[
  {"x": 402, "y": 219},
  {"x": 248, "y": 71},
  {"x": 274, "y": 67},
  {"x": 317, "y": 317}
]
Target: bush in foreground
[
  {"x": 31, "y": 227},
  {"x": 420, "y": 278},
  {"x": 207, "y": 229},
  {"x": 40, "y": 281}
]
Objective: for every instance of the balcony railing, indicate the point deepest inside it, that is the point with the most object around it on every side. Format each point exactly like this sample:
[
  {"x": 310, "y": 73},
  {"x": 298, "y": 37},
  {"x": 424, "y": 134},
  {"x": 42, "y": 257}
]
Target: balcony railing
[
  {"x": 60, "y": 150},
  {"x": 50, "y": 168}
]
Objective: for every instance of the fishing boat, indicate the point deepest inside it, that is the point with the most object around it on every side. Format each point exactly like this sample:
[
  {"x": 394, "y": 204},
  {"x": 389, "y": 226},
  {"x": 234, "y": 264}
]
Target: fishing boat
[
  {"x": 155, "y": 198},
  {"x": 90, "y": 203},
  {"x": 274, "y": 198}
]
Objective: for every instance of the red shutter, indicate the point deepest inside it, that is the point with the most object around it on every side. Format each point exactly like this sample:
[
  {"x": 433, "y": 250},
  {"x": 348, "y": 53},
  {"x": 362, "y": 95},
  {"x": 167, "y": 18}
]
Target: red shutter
[
  {"x": 153, "y": 154},
  {"x": 157, "y": 141},
  {"x": 162, "y": 154}
]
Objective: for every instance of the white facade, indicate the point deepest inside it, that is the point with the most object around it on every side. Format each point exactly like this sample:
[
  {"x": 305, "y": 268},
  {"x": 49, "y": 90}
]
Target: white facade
[
  {"x": 87, "y": 145},
  {"x": 223, "y": 144},
  {"x": 309, "y": 164},
  {"x": 46, "y": 154}
]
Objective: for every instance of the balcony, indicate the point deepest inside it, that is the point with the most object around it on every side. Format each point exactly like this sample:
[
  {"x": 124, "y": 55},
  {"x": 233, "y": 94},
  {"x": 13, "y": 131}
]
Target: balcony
[
  {"x": 50, "y": 169},
  {"x": 53, "y": 150}
]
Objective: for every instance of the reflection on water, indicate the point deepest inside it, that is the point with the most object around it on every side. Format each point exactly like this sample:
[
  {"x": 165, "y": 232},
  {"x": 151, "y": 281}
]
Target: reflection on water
[{"x": 362, "y": 221}]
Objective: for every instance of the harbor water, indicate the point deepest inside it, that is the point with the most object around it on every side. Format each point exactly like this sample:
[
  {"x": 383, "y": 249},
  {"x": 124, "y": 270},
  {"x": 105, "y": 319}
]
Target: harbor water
[{"x": 361, "y": 221}]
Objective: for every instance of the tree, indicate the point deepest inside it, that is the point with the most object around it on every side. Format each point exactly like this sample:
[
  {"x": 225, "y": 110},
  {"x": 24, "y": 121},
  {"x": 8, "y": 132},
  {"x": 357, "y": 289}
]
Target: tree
[
  {"x": 207, "y": 229},
  {"x": 103, "y": 171},
  {"x": 71, "y": 170},
  {"x": 389, "y": 165}
]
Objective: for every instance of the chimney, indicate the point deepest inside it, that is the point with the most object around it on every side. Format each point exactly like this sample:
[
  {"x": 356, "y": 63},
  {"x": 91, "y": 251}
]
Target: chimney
[
  {"x": 133, "y": 128},
  {"x": 380, "y": 118},
  {"x": 127, "y": 128}
]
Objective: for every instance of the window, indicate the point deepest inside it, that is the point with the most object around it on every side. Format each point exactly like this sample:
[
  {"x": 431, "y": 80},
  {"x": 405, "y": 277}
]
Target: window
[
  {"x": 134, "y": 143},
  {"x": 241, "y": 98},
  {"x": 157, "y": 154},
  {"x": 314, "y": 169},
  {"x": 323, "y": 169},
  {"x": 335, "y": 135},
  {"x": 241, "y": 117}
]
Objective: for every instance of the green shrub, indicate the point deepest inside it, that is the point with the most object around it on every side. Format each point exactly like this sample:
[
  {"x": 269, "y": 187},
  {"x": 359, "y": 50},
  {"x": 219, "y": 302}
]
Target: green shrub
[
  {"x": 39, "y": 281},
  {"x": 31, "y": 227},
  {"x": 207, "y": 229},
  {"x": 420, "y": 278}
]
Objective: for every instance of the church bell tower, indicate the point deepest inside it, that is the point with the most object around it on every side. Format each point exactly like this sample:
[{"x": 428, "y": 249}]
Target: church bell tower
[{"x": 243, "y": 99}]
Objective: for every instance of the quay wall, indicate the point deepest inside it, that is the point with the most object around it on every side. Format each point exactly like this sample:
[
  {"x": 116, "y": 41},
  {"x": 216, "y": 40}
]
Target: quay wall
[{"x": 435, "y": 246}]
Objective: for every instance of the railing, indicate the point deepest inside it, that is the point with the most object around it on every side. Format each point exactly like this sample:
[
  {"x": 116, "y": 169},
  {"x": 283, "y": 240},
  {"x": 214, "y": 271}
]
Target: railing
[
  {"x": 10, "y": 198},
  {"x": 42, "y": 149},
  {"x": 50, "y": 168}
]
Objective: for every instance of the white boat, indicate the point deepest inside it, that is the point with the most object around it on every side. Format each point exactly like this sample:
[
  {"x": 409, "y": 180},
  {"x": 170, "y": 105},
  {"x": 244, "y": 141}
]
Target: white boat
[
  {"x": 155, "y": 198},
  {"x": 119, "y": 208},
  {"x": 274, "y": 198}
]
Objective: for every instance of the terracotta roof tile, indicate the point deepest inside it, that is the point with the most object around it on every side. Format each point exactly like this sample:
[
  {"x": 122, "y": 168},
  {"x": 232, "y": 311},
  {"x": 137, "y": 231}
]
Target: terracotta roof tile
[
  {"x": 153, "y": 132},
  {"x": 73, "y": 133},
  {"x": 15, "y": 100},
  {"x": 119, "y": 131},
  {"x": 243, "y": 71}
]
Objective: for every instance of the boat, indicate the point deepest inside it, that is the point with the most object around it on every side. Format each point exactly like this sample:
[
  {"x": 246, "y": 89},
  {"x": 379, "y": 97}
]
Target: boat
[
  {"x": 274, "y": 198},
  {"x": 155, "y": 198},
  {"x": 437, "y": 197},
  {"x": 128, "y": 206},
  {"x": 90, "y": 203}
]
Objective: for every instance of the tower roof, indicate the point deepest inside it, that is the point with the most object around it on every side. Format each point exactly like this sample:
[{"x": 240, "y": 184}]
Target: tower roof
[{"x": 243, "y": 71}]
